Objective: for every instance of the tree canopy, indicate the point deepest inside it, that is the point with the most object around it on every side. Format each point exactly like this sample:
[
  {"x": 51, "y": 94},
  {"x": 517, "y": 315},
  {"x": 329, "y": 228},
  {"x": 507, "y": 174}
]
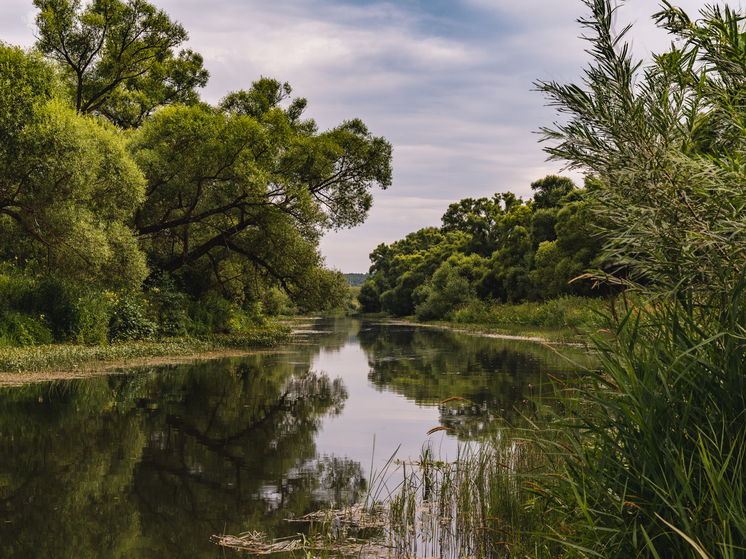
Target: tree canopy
[
  {"x": 118, "y": 57},
  {"x": 500, "y": 248},
  {"x": 114, "y": 170},
  {"x": 68, "y": 184}
]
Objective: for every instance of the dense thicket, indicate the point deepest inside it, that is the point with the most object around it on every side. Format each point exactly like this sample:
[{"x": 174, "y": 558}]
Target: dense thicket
[
  {"x": 500, "y": 249},
  {"x": 114, "y": 173}
]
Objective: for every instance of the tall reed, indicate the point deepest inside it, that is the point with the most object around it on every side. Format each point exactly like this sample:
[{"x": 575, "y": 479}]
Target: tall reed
[
  {"x": 654, "y": 442},
  {"x": 480, "y": 505}
]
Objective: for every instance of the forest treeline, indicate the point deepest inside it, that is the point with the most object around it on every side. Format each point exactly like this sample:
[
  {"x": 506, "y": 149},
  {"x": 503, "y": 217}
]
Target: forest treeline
[
  {"x": 498, "y": 249},
  {"x": 130, "y": 207}
]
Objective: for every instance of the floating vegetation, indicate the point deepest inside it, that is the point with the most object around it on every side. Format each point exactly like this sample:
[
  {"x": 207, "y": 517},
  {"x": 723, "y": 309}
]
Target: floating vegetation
[{"x": 354, "y": 530}]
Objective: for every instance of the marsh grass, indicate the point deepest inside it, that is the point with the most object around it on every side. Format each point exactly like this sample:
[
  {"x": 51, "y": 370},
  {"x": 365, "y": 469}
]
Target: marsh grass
[
  {"x": 653, "y": 443},
  {"x": 561, "y": 313},
  {"x": 482, "y": 504},
  {"x": 70, "y": 357}
]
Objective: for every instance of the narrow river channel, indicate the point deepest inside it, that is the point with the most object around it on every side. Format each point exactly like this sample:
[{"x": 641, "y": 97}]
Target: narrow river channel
[{"x": 152, "y": 461}]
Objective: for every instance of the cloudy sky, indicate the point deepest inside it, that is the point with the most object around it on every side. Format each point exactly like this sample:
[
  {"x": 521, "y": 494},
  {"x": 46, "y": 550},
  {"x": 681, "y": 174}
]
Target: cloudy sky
[{"x": 447, "y": 82}]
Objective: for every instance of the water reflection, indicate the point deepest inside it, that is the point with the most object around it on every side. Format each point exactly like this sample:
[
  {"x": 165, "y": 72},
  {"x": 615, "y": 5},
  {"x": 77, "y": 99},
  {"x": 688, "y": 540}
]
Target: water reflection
[
  {"x": 498, "y": 378},
  {"x": 159, "y": 460},
  {"x": 151, "y": 463}
]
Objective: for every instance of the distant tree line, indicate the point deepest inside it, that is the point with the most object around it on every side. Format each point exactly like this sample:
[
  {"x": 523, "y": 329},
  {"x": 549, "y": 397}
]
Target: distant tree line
[
  {"x": 500, "y": 248},
  {"x": 356, "y": 280}
]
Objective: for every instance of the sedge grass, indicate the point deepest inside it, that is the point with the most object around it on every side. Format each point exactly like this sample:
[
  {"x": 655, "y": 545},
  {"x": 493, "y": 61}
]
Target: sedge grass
[{"x": 653, "y": 442}]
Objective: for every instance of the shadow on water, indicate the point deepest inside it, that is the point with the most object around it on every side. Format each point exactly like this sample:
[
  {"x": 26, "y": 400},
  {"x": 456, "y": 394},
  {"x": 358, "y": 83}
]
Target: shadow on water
[{"x": 152, "y": 462}]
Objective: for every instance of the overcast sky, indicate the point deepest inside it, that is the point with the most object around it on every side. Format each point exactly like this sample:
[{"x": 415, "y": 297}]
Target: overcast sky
[{"x": 447, "y": 82}]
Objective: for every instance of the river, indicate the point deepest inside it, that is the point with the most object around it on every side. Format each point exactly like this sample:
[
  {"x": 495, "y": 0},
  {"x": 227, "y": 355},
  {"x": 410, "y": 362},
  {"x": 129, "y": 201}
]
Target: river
[{"x": 153, "y": 461}]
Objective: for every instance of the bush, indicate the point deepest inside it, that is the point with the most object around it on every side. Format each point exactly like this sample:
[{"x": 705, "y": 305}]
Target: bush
[
  {"x": 169, "y": 307},
  {"x": 276, "y": 302},
  {"x": 563, "y": 312},
  {"x": 22, "y": 330},
  {"x": 129, "y": 320},
  {"x": 213, "y": 314}
]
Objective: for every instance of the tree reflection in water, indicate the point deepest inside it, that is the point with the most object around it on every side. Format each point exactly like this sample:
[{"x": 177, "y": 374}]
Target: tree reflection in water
[
  {"x": 152, "y": 463},
  {"x": 492, "y": 378}
]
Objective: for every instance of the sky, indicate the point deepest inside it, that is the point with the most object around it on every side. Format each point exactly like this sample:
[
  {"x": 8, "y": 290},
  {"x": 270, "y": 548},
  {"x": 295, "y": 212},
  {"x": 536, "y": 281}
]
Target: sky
[{"x": 449, "y": 83}]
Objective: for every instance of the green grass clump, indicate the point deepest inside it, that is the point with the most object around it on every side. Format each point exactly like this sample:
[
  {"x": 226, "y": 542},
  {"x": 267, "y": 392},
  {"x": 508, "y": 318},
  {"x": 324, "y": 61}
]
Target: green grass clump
[{"x": 482, "y": 504}]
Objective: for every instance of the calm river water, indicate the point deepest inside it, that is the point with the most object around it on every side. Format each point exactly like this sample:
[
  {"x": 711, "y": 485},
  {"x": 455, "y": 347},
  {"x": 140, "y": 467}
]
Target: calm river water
[{"x": 153, "y": 461}]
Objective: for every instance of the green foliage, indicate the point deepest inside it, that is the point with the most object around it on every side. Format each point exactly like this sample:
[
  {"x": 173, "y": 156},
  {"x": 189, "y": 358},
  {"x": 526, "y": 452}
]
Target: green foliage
[
  {"x": 655, "y": 440},
  {"x": 550, "y": 190},
  {"x": 652, "y": 443},
  {"x": 230, "y": 199},
  {"x": 74, "y": 314},
  {"x": 211, "y": 314},
  {"x": 368, "y": 297},
  {"x": 503, "y": 249},
  {"x": 129, "y": 320},
  {"x": 118, "y": 57},
  {"x": 447, "y": 290},
  {"x": 68, "y": 184},
  {"x": 562, "y": 312},
  {"x": 663, "y": 146},
  {"x": 275, "y": 302},
  {"x": 22, "y": 330},
  {"x": 275, "y": 184},
  {"x": 169, "y": 306}
]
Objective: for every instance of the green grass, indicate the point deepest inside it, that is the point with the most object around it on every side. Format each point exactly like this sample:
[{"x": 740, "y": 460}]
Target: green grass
[
  {"x": 482, "y": 504},
  {"x": 72, "y": 357},
  {"x": 563, "y": 312}
]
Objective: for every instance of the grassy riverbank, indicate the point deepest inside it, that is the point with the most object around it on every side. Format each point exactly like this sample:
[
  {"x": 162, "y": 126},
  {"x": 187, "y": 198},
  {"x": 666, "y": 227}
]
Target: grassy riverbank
[
  {"x": 562, "y": 320},
  {"x": 73, "y": 357}
]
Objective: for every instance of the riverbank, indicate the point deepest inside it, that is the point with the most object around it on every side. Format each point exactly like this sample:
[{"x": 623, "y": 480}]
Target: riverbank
[
  {"x": 564, "y": 320},
  {"x": 70, "y": 360},
  {"x": 563, "y": 336}
]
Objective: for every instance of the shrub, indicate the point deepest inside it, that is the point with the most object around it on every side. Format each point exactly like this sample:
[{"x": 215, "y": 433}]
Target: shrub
[
  {"x": 169, "y": 307},
  {"x": 275, "y": 302},
  {"x": 446, "y": 291},
  {"x": 22, "y": 330},
  {"x": 130, "y": 321}
]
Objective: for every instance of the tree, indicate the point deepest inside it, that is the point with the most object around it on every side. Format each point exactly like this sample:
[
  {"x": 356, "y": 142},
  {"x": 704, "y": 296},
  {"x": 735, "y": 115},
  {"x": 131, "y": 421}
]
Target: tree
[
  {"x": 118, "y": 57},
  {"x": 237, "y": 196},
  {"x": 67, "y": 184},
  {"x": 663, "y": 145},
  {"x": 477, "y": 218},
  {"x": 550, "y": 190}
]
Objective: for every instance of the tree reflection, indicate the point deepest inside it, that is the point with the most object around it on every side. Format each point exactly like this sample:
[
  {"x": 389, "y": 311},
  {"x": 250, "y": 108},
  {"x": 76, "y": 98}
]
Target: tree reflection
[
  {"x": 154, "y": 462},
  {"x": 499, "y": 378}
]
